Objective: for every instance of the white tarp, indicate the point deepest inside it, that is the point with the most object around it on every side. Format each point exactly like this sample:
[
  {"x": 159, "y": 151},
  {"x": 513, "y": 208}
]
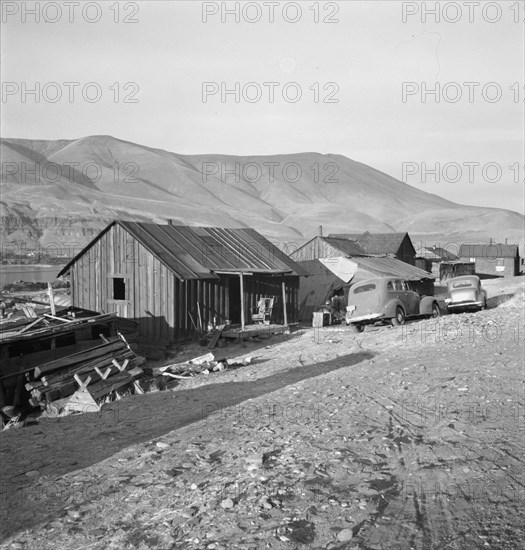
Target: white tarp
[{"x": 343, "y": 268}]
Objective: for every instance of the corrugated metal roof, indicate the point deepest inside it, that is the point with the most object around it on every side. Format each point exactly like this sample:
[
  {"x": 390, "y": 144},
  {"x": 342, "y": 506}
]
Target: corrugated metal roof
[
  {"x": 348, "y": 246},
  {"x": 375, "y": 243},
  {"x": 386, "y": 266},
  {"x": 315, "y": 245},
  {"x": 201, "y": 252},
  {"x": 437, "y": 253},
  {"x": 489, "y": 250}
]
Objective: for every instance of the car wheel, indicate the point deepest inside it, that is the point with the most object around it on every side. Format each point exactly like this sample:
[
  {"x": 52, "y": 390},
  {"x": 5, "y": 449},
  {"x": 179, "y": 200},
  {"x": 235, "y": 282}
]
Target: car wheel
[
  {"x": 358, "y": 328},
  {"x": 399, "y": 319},
  {"x": 436, "y": 312}
]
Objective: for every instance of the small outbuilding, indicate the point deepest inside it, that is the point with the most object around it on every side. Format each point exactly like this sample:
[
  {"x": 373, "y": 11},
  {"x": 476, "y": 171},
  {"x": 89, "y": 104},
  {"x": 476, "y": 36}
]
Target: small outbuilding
[
  {"x": 437, "y": 254},
  {"x": 398, "y": 245},
  {"x": 175, "y": 280},
  {"x": 430, "y": 258},
  {"x": 492, "y": 259}
]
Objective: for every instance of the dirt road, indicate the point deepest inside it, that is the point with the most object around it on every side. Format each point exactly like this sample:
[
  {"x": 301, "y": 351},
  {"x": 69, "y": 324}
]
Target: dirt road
[{"x": 397, "y": 438}]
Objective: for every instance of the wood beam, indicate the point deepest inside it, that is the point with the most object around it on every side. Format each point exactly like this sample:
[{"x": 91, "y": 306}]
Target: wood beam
[
  {"x": 241, "y": 278},
  {"x": 284, "y": 301},
  {"x": 51, "y": 298}
]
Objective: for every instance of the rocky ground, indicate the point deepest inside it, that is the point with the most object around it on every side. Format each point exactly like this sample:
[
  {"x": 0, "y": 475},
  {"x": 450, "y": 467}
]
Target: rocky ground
[{"x": 397, "y": 438}]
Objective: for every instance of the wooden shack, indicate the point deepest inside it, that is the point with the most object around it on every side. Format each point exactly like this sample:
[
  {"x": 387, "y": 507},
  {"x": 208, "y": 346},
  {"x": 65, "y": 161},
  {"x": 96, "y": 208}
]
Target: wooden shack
[
  {"x": 492, "y": 259},
  {"x": 398, "y": 245},
  {"x": 174, "y": 280}
]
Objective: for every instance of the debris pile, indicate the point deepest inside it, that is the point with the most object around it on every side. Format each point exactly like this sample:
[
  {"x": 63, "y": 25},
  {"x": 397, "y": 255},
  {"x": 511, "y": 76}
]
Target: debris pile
[
  {"x": 70, "y": 359},
  {"x": 80, "y": 381},
  {"x": 204, "y": 364}
]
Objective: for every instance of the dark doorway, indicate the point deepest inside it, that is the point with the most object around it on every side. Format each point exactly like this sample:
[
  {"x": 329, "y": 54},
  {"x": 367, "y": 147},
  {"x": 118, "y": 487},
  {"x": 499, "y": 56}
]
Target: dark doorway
[{"x": 234, "y": 289}]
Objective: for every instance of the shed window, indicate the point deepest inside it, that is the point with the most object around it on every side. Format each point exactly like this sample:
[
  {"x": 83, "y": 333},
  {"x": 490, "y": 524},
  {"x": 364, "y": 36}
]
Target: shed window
[
  {"x": 500, "y": 262},
  {"x": 119, "y": 288}
]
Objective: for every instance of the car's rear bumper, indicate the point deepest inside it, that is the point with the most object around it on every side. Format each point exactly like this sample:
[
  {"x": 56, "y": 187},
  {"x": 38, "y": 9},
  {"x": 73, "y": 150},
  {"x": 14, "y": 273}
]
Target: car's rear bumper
[
  {"x": 364, "y": 318},
  {"x": 464, "y": 305}
]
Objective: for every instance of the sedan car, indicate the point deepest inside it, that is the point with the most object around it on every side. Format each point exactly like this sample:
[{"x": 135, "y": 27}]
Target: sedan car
[
  {"x": 387, "y": 299},
  {"x": 465, "y": 293}
]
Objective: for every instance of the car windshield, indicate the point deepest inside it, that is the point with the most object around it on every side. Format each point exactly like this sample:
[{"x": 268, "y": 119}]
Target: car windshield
[{"x": 364, "y": 288}]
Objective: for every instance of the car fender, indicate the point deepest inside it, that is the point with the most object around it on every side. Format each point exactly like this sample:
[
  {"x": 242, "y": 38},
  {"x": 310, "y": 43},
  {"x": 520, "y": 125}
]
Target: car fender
[
  {"x": 390, "y": 308},
  {"x": 425, "y": 306}
]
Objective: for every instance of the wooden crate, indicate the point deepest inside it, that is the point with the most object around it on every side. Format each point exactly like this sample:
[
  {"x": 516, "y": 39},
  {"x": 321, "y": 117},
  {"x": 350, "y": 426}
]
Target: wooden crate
[{"x": 320, "y": 319}]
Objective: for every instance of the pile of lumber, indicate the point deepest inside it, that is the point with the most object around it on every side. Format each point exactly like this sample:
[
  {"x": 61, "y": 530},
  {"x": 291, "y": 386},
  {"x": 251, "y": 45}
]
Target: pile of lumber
[{"x": 92, "y": 374}]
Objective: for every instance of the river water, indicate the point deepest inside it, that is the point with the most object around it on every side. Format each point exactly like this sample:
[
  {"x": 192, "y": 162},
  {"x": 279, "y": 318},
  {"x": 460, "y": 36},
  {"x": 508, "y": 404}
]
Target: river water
[{"x": 28, "y": 273}]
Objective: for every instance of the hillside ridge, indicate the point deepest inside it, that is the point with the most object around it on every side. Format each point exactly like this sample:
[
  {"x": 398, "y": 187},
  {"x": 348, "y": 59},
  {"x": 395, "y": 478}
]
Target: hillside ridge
[{"x": 69, "y": 189}]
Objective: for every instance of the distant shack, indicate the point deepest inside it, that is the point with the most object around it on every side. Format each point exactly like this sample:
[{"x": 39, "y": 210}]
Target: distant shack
[
  {"x": 398, "y": 245},
  {"x": 492, "y": 259},
  {"x": 175, "y": 280}
]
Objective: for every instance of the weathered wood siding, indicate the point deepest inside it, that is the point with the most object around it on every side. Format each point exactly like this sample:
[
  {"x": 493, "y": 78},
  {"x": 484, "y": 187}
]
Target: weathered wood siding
[
  {"x": 150, "y": 286},
  {"x": 164, "y": 306},
  {"x": 407, "y": 252},
  {"x": 491, "y": 266},
  {"x": 315, "y": 250}
]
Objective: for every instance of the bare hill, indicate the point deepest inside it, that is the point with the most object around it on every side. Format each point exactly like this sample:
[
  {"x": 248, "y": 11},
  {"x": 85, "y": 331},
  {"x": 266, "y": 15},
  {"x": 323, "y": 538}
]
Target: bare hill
[{"x": 64, "y": 191}]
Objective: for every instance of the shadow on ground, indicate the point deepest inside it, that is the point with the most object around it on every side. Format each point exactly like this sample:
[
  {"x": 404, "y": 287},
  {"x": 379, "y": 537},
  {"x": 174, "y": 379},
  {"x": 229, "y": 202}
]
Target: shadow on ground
[
  {"x": 495, "y": 301},
  {"x": 55, "y": 447}
]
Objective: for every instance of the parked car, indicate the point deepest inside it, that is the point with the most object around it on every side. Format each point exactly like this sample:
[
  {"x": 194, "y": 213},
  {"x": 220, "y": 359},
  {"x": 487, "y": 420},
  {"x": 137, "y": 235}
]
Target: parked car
[
  {"x": 387, "y": 299},
  {"x": 465, "y": 293}
]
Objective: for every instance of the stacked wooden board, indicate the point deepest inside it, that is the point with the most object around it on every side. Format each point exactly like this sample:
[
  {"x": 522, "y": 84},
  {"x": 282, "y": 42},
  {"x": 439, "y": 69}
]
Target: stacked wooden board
[
  {"x": 50, "y": 357},
  {"x": 100, "y": 370}
]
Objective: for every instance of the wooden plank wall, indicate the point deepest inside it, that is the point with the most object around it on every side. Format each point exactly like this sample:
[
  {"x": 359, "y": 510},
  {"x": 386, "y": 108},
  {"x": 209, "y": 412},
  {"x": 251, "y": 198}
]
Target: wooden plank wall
[
  {"x": 314, "y": 250},
  {"x": 155, "y": 297}
]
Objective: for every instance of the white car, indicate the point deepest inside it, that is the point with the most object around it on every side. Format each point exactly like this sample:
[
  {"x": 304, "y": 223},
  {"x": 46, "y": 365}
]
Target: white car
[{"x": 465, "y": 293}]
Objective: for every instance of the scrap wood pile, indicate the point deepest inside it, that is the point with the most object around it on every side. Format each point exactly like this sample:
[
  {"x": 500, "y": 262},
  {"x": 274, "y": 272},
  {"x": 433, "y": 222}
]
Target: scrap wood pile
[
  {"x": 85, "y": 378},
  {"x": 46, "y": 325},
  {"x": 204, "y": 364},
  {"x": 16, "y": 308},
  {"x": 62, "y": 361}
]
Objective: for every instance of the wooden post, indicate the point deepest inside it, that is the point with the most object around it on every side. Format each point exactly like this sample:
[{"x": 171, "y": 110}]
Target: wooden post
[
  {"x": 284, "y": 302},
  {"x": 51, "y": 298},
  {"x": 242, "y": 300},
  {"x": 18, "y": 389},
  {"x": 2, "y": 397}
]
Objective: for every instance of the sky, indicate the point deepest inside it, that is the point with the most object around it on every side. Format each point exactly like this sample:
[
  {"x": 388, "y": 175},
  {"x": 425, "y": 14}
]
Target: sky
[{"x": 432, "y": 97}]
